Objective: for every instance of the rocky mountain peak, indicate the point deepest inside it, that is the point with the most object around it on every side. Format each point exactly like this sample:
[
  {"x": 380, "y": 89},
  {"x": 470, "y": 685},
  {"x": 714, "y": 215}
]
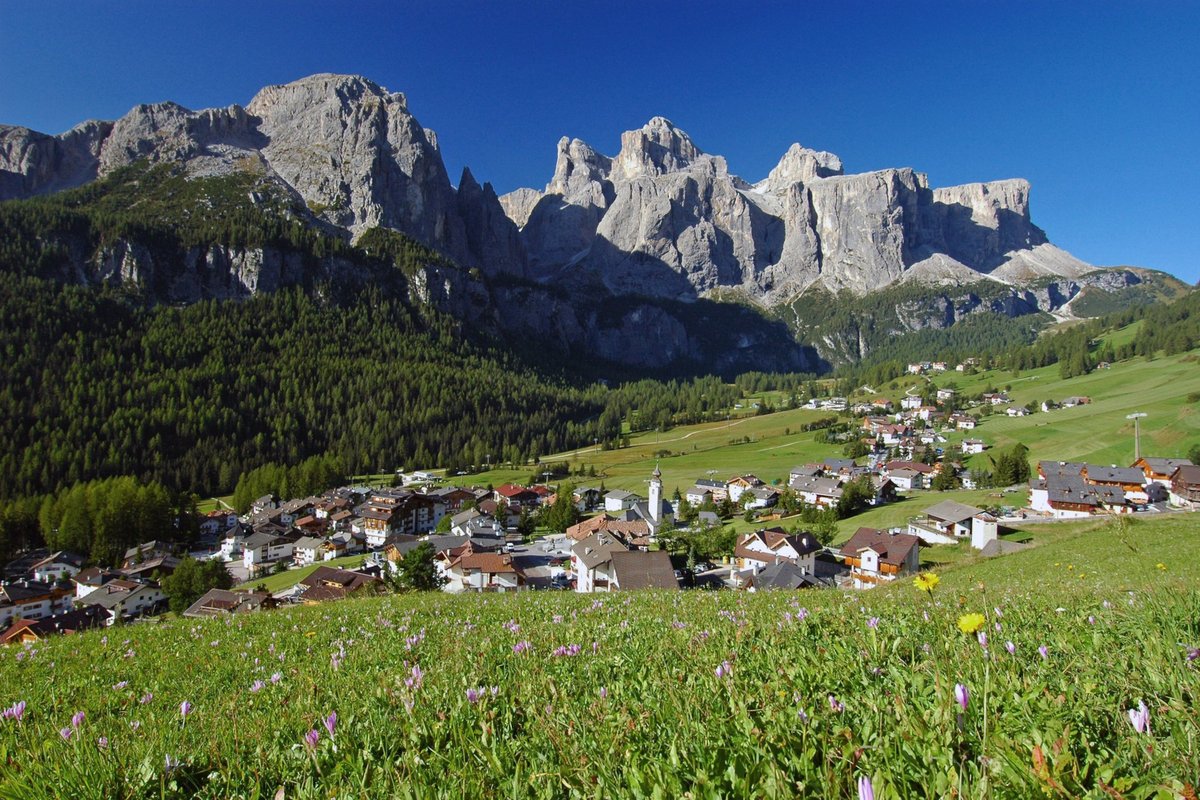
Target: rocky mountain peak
[
  {"x": 657, "y": 148},
  {"x": 800, "y": 164},
  {"x": 662, "y": 218},
  {"x": 577, "y": 165},
  {"x": 348, "y": 88}
]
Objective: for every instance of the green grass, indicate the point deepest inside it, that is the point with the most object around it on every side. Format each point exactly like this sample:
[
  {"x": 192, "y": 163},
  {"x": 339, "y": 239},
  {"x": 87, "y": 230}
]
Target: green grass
[
  {"x": 694, "y": 449},
  {"x": 283, "y": 580},
  {"x": 641, "y": 711}
]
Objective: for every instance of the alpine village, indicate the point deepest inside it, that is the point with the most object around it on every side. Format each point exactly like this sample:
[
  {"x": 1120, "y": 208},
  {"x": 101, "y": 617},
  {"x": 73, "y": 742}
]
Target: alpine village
[{"x": 325, "y": 474}]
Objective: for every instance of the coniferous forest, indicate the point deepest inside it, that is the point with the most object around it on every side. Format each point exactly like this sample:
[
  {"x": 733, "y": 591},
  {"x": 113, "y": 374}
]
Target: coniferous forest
[{"x": 103, "y": 379}]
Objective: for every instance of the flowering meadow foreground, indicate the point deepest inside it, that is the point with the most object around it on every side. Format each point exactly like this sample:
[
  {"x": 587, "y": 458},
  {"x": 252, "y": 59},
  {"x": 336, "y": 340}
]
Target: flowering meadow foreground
[{"x": 1036, "y": 687}]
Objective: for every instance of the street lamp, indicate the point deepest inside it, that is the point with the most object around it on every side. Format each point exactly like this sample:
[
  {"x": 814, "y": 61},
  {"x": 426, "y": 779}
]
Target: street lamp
[{"x": 1137, "y": 439}]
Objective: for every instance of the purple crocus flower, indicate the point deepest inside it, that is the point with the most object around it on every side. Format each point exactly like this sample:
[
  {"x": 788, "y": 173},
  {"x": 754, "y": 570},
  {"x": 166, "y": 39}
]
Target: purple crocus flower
[
  {"x": 1043, "y": 652},
  {"x": 1192, "y": 655},
  {"x": 146, "y": 698},
  {"x": 102, "y": 743},
  {"x": 65, "y": 733},
  {"x": 836, "y": 705},
  {"x": 603, "y": 693},
  {"x": 873, "y": 623},
  {"x": 415, "y": 680},
  {"x": 77, "y": 719},
  {"x": 1010, "y": 647},
  {"x": 257, "y": 686},
  {"x": 276, "y": 677},
  {"x": 331, "y": 723},
  {"x": 170, "y": 764},
  {"x": 521, "y": 647},
  {"x": 724, "y": 669},
  {"x": 15, "y": 711},
  {"x": 961, "y": 695},
  {"x": 311, "y": 738},
  {"x": 982, "y": 637},
  {"x": 1139, "y": 718},
  {"x": 865, "y": 790},
  {"x": 185, "y": 708},
  {"x": 473, "y": 696}
]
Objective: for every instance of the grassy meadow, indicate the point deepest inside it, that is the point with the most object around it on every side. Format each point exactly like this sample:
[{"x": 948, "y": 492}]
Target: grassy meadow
[
  {"x": 1097, "y": 432},
  {"x": 697, "y": 694}
]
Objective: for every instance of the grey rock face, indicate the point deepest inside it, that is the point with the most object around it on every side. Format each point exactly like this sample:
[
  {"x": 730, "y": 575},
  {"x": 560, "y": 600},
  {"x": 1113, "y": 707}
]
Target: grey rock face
[
  {"x": 665, "y": 219},
  {"x": 347, "y": 147},
  {"x": 519, "y": 204},
  {"x": 801, "y": 165},
  {"x": 982, "y": 222},
  {"x": 661, "y": 218},
  {"x": 491, "y": 236},
  {"x": 656, "y": 149},
  {"x": 33, "y": 163}
]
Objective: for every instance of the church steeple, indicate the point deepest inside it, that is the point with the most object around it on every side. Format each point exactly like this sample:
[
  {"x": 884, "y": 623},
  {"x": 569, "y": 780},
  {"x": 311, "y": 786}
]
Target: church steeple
[{"x": 656, "y": 495}]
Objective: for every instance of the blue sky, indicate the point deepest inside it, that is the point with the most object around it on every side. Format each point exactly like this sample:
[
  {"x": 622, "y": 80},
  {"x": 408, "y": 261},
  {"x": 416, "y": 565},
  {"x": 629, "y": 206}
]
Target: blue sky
[{"x": 1096, "y": 103}]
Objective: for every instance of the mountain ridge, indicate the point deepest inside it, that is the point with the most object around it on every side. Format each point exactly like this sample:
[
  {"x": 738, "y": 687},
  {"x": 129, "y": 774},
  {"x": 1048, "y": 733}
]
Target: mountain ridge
[{"x": 634, "y": 237}]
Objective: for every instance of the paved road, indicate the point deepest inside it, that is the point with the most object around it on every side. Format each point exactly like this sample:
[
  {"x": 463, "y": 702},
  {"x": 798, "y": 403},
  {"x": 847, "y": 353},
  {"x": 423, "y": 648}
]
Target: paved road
[{"x": 535, "y": 559}]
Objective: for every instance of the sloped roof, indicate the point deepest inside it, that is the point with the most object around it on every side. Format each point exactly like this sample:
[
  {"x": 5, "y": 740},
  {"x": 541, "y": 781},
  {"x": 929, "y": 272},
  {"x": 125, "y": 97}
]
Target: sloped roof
[
  {"x": 952, "y": 511},
  {"x": 89, "y": 616},
  {"x": 347, "y": 579},
  {"x": 1101, "y": 474},
  {"x": 830, "y": 487},
  {"x": 893, "y": 548},
  {"x": 638, "y": 570},
  {"x": 597, "y": 549},
  {"x": 786, "y": 576},
  {"x": 490, "y": 563},
  {"x": 216, "y": 602},
  {"x": 60, "y": 557},
  {"x": 1164, "y": 466},
  {"x": 1187, "y": 474}
]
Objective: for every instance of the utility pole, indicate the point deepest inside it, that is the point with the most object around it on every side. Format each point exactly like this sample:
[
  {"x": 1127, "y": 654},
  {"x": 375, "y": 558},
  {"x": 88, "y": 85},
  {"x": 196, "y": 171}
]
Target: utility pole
[{"x": 1137, "y": 438}]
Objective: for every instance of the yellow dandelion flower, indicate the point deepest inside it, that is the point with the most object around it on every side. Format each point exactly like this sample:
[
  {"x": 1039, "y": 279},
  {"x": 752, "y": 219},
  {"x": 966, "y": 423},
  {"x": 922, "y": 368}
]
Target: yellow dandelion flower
[
  {"x": 1070, "y": 566},
  {"x": 1161, "y": 566},
  {"x": 926, "y": 581},
  {"x": 970, "y": 623}
]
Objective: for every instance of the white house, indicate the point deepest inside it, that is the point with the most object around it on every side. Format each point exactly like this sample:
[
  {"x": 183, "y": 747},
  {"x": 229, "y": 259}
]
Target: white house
[
  {"x": 618, "y": 500},
  {"x": 266, "y": 548},
  {"x": 910, "y": 402},
  {"x": 127, "y": 599},
  {"x": 308, "y": 550},
  {"x": 482, "y": 572},
  {"x": 876, "y": 557},
  {"x": 231, "y": 545},
  {"x": 57, "y": 566},
  {"x": 949, "y": 521},
  {"x": 759, "y": 549},
  {"x": 906, "y": 479},
  {"x": 822, "y": 492},
  {"x": 972, "y": 446},
  {"x": 736, "y": 486},
  {"x": 31, "y": 600},
  {"x": 591, "y": 561}
]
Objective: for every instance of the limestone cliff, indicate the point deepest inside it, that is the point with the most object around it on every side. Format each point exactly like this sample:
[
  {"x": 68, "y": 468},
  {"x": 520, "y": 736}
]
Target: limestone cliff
[{"x": 664, "y": 218}]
